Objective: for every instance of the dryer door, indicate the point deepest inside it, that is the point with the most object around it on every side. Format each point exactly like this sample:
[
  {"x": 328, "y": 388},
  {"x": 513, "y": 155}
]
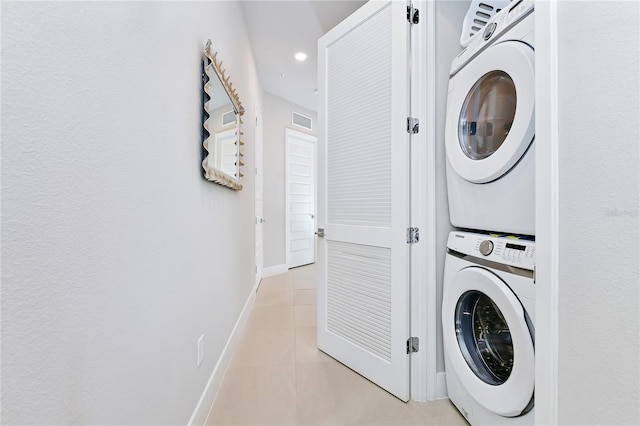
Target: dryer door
[
  {"x": 488, "y": 341},
  {"x": 490, "y": 112}
]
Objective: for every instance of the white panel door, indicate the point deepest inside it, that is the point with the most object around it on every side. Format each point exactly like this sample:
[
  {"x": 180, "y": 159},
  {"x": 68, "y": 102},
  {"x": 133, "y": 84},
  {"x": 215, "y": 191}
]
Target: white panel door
[
  {"x": 300, "y": 198},
  {"x": 227, "y": 152},
  {"x": 363, "y": 194},
  {"x": 259, "y": 259}
]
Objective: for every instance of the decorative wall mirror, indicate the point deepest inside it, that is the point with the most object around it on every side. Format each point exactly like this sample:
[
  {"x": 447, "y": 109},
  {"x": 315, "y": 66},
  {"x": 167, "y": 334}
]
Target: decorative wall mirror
[{"x": 221, "y": 146}]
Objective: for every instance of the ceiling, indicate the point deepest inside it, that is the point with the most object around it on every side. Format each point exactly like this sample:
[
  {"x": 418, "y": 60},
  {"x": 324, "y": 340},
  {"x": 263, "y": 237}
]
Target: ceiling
[{"x": 279, "y": 29}]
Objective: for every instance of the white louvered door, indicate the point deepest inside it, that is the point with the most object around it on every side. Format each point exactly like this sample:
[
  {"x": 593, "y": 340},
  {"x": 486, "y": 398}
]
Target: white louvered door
[{"x": 363, "y": 194}]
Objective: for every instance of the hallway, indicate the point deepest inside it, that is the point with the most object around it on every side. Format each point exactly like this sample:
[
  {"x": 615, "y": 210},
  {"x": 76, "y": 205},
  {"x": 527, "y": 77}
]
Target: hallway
[{"x": 277, "y": 375}]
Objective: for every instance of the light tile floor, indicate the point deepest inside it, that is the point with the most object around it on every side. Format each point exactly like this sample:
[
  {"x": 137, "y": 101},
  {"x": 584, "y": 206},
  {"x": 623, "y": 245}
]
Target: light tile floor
[{"x": 277, "y": 376}]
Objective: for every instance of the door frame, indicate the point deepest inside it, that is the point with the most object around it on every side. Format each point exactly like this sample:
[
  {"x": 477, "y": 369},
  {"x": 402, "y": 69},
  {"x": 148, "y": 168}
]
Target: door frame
[
  {"x": 425, "y": 383},
  {"x": 314, "y": 140},
  {"x": 259, "y": 216},
  {"x": 547, "y": 212}
]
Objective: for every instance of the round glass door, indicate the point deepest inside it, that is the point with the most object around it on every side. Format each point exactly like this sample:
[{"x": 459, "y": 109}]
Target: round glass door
[
  {"x": 487, "y": 339},
  {"x": 487, "y": 115},
  {"x": 490, "y": 120},
  {"x": 484, "y": 337}
]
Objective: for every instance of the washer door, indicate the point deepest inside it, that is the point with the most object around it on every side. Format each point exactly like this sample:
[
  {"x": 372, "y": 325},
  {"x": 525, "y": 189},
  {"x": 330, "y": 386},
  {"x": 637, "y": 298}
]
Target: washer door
[
  {"x": 488, "y": 342},
  {"x": 490, "y": 112}
]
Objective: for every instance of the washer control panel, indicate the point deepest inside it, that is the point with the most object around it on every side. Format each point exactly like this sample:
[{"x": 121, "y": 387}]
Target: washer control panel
[{"x": 510, "y": 250}]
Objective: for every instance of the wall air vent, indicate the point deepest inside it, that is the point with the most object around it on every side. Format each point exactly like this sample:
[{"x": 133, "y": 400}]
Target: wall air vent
[
  {"x": 228, "y": 118},
  {"x": 300, "y": 120}
]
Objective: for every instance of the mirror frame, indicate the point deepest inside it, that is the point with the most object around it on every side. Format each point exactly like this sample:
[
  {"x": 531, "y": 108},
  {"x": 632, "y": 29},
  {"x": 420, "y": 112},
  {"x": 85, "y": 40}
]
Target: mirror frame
[{"x": 213, "y": 69}]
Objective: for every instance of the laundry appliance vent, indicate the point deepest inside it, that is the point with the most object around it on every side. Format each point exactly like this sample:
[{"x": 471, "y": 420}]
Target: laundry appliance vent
[{"x": 479, "y": 13}]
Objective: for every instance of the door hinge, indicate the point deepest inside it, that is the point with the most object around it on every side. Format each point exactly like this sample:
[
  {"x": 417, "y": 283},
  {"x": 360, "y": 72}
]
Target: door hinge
[
  {"x": 413, "y": 15},
  {"x": 413, "y": 125},
  {"x": 413, "y": 235},
  {"x": 320, "y": 232},
  {"x": 413, "y": 345},
  {"x": 256, "y": 269}
]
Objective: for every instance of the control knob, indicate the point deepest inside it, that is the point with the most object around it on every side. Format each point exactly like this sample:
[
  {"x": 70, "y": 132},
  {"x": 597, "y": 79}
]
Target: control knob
[
  {"x": 486, "y": 247},
  {"x": 489, "y": 30}
]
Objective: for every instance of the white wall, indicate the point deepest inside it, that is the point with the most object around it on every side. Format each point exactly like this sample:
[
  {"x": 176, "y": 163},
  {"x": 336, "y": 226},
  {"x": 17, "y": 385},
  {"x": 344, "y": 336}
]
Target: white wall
[
  {"x": 277, "y": 117},
  {"x": 116, "y": 254},
  {"x": 599, "y": 187}
]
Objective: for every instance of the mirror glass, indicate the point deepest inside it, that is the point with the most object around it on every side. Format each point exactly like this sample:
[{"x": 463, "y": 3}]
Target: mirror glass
[{"x": 222, "y": 111}]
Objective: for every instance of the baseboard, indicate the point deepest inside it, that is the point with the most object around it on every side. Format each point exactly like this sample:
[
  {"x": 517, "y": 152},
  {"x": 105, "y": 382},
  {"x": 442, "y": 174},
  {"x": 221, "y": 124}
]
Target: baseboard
[
  {"x": 274, "y": 270},
  {"x": 201, "y": 412},
  {"x": 441, "y": 385}
]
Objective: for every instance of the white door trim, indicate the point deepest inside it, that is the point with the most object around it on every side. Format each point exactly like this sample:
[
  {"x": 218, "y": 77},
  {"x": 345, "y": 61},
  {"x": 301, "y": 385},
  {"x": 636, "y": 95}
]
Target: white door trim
[
  {"x": 314, "y": 140},
  {"x": 547, "y": 219},
  {"x": 259, "y": 195},
  {"x": 424, "y": 309}
]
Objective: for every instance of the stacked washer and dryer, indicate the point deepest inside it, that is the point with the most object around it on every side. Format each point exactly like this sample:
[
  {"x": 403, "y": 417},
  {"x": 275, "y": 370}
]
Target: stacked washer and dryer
[{"x": 488, "y": 304}]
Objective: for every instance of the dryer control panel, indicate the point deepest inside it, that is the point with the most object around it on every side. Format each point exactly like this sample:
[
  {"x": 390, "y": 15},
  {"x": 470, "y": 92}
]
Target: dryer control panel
[
  {"x": 508, "y": 250},
  {"x": 496, "y": 29},
  {"x": 511, "y": 14}
]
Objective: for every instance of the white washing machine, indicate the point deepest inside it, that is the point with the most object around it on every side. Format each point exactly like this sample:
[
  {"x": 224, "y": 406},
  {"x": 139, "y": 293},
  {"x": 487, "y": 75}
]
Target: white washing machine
[
  {"x": 490, "y": 127},
  {"x": 488, "y": 316}
]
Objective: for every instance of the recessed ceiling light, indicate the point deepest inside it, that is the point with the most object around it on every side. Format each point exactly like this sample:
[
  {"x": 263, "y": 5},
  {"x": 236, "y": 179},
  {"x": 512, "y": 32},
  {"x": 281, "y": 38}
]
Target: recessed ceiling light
[
  {"x": 281, "y": 75},
  {"x": 301, "y": 56}
]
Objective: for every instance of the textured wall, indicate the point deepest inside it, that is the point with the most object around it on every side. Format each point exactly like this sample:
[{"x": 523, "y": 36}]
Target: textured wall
[
  {"x": 116, "y": 254},
  {"x": 599, "y": 200},
  {"x": 277, "y": 117}
]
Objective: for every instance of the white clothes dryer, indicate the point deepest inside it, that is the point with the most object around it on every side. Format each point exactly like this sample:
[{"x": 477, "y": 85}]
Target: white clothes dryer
[
  {"x": 490, "y": 127},
  {"x": 488, "y": 316}
]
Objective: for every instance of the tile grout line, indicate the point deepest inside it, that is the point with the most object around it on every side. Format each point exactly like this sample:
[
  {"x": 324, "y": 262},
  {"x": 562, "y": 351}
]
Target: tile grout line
[{"x": 295, "y": 349}]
